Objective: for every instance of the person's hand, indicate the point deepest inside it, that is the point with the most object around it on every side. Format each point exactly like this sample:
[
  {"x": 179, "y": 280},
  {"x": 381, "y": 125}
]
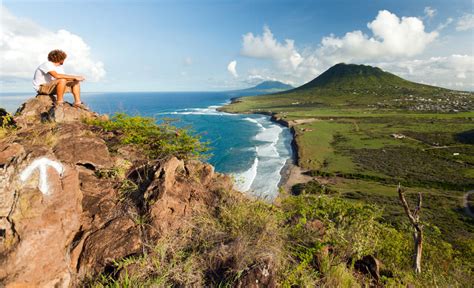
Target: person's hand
[{"x": 79, "y": 78}]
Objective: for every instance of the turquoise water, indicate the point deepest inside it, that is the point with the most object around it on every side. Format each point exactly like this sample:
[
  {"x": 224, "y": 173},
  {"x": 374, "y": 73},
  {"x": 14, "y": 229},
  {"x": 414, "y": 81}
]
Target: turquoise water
[{"x": 249, "y": 147}]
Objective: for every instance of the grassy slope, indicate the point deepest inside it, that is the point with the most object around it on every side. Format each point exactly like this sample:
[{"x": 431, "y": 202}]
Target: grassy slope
[{"x": 357, "y": 109}]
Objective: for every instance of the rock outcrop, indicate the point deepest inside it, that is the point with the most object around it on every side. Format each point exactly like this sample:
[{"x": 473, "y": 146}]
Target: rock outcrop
[
  {"x": 62, "y": 220},
  {"x": 42, "y": 109}
]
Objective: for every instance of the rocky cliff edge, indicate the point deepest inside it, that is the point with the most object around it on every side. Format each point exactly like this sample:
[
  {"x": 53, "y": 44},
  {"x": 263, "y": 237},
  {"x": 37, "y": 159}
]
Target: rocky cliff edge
[{"x": 64, "y": 216}]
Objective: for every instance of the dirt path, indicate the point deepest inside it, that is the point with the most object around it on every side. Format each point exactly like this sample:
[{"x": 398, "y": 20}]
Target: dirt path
[
  {"x": 295, "y": 175},
  {"x": 465, "y": 203}
]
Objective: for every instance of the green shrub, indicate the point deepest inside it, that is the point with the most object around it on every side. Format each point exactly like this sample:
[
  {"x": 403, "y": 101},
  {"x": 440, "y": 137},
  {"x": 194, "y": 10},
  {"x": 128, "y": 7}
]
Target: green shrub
[
  {"x": 155, "y": 140},
  {"x": 312, "y": 187},
  {"x": 6, "y": 122}
]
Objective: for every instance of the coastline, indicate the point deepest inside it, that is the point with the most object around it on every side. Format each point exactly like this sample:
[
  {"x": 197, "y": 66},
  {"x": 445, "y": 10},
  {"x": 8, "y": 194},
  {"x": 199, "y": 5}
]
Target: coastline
[{"x": 291, "y": 173}]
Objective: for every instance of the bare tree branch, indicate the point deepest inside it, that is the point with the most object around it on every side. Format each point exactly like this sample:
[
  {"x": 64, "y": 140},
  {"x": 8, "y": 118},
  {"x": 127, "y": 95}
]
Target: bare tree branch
[
  {"x": 418, "y": 229},
  {"x": 405, "y": 205}
]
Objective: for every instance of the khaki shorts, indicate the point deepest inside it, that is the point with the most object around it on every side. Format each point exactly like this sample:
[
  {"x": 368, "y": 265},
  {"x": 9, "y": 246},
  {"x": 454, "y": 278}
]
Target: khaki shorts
[{"x": 50, "y": 87}]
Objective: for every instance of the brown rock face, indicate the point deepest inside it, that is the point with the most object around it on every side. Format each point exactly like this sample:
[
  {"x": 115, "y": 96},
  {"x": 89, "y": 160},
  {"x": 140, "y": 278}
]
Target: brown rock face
[
  {"x": 178, "y": 189},
  {"x": 41, "y": 109},
  {"x": 68, "y": 113},
  {"x": 34, "y": 111},
  {"x": 61, "y": 221},
  {"x": 84, "y": 151},
  {"x": 38, "y": 225},
  {"x": 10, "y": 152}
]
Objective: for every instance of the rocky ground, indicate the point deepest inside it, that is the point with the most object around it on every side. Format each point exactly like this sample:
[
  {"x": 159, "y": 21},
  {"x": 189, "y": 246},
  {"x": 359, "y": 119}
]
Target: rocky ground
[{"x": 62, "y": 219}]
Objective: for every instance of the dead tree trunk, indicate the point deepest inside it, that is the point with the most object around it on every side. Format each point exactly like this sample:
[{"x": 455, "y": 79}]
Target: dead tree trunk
[{"x": 417, "y": 228}]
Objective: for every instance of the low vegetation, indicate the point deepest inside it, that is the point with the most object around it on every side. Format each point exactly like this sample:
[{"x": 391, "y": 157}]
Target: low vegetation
[
  {"x": 307, "y": 240},
  {"x": 152, "y": 139},
  {"x": 6, "y": 122}
]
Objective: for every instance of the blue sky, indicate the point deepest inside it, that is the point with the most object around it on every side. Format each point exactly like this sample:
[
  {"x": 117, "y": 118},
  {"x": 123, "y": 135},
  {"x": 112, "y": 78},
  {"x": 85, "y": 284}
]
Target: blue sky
[{"x": 188, "y": 45}]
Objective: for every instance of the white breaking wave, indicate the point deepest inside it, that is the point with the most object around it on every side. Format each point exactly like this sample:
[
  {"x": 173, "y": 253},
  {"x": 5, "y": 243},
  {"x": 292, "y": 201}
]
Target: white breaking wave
[
  {"x": 271, "y": 134},
  {"x": 256, "y": 122},
  {"x": 267, "y": 150},
  {"x": 211, "y": 110},
  {"x": 266, "y": 183},
  {"x": 263, "y": 177},
  {"x": 243, "y": 181}
]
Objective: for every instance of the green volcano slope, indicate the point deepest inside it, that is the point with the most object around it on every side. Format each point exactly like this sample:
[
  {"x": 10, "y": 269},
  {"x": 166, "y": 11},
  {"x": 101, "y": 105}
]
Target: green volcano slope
[
  {"x": 349, "y": 86},
  {"x": 359, "y": 131}
]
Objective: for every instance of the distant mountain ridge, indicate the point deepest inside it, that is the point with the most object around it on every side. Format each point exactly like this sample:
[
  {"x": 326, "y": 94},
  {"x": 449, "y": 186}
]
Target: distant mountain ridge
[
  {"x": 266, "y": 87},
  {"x": 273, "y": 85}
]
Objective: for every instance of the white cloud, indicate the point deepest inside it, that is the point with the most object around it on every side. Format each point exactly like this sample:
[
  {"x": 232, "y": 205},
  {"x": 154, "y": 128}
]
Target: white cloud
[
  {"x": 292, "y": 65},
  {"x": 430, "y": 12},
  {"x": 232, "y": 68},
  {"x": 188, "y": 61},
  {"x": 393, "y": 38},
  {"x": 254, "y": 78},
  {"x": 24, "y": 45},
  {"x": 466, "y": 22},
  {"x": 445, "y": 24},
  {"x": 267, "y": 47},
  {"x": 452, "y": 71}
]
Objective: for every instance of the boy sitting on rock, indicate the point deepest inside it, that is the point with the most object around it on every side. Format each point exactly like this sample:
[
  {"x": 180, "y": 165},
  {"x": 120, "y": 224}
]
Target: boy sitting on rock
[{"x": 50, "y": 79}]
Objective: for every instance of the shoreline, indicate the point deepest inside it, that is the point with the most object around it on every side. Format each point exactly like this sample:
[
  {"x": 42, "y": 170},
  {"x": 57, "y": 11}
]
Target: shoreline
[{"x": 291, "y": 173}]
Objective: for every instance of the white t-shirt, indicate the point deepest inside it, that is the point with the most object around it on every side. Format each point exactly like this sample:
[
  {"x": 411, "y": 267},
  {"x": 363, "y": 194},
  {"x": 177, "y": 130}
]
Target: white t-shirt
[{"x": 42, "y": 76}]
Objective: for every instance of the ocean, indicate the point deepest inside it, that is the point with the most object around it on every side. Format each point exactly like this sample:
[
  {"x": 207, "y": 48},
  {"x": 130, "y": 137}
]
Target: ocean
[{"x": 249, "y": 147}]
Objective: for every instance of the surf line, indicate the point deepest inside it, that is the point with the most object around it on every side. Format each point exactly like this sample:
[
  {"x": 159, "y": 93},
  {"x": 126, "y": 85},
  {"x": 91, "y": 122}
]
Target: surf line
[{"x": 272, "y": 155}]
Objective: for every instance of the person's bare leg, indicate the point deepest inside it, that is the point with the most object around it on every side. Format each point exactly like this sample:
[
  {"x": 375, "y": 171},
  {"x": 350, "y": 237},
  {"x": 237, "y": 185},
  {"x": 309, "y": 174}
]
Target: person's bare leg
[
  {"x": 76, "y": 91},
  {"x": 60, "y": 88}
]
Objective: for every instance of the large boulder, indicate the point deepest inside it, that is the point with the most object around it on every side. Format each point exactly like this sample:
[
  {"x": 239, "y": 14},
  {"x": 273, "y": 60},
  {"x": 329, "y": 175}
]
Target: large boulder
[
  {"x": 34, "y": 111},
  {"x": 42, "y": 109},
  {"x": 177, "y": 190}
]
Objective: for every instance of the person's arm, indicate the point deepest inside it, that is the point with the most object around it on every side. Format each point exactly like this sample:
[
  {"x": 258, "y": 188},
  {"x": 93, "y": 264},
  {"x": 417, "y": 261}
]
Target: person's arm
[{"x": 56, "y": 75}]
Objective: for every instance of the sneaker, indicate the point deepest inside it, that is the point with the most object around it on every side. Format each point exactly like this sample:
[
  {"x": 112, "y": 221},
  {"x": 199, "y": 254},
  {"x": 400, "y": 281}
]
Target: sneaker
[
  {"x": 58, "y": 104},
  {"x": 81, "y": 106}
]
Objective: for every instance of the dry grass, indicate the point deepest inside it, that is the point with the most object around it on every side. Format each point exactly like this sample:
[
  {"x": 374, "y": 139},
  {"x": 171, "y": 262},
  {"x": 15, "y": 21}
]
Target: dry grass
[{"x": 216, "y": 248}]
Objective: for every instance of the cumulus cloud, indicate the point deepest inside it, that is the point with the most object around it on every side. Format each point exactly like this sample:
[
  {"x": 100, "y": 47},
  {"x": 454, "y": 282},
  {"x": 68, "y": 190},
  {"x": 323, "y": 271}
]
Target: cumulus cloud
[
  {"x": 266, "y": 46},
  {"x": 466, "y": 22},
  {"x": 232, "y": 68},
  {"x": 291, "y": 63},
  {"x": 392, "y": 38},
  {"x": 454, "y": 71},
  {"x": 24, "y": 45}
]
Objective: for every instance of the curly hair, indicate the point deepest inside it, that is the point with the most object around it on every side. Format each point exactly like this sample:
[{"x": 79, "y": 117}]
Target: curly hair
[{"x": 57, "y": 56}]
